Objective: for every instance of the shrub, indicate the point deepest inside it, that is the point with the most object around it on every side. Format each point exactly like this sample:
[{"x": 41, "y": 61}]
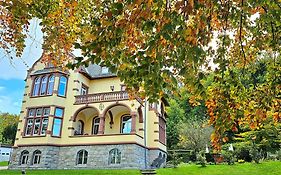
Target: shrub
[
  {"x": 201, "y": 159},
  {"x": 242, "y": 151},
  {"x": 255, "y": 154},
  {"x": 279, "y": 155},
  {"x": 229, "y": 157}
]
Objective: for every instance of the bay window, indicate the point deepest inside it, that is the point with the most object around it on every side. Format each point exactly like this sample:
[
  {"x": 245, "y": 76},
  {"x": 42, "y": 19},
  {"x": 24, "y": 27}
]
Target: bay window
[{"x": 43, "y": 86}]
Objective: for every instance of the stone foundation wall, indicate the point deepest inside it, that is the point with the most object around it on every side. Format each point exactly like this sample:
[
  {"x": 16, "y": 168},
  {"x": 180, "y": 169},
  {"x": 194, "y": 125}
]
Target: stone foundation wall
[
  {"x": 49, "y": 158},
  {"x": 132, "y": 157}
]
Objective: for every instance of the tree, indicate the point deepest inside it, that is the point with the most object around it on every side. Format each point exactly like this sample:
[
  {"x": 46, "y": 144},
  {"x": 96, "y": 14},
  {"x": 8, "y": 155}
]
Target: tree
[
  {"x": 9, "y": 134},
  {"x": 152, "y": 45},
  {"x": 8, "y": 127},
  {"x": 175, "y": 117},
  {"x": 185, "y": 122},
  {"x": 195, "y": 135}
]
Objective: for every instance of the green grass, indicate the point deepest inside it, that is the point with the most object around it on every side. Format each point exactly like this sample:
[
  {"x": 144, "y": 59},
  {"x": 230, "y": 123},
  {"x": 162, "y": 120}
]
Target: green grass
[
  {"x": 3, "y": 163},
  {"x": 265, "y": 168}
]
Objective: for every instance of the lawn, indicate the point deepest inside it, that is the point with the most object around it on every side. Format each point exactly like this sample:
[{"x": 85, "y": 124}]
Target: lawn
[
  {"x": 265, "y": 168},
  {"x": 3, "y": 163}
]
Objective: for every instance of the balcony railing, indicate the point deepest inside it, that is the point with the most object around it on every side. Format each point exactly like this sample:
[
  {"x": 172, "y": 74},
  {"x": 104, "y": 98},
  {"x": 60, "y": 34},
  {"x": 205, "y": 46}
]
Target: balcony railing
[{"x": 101, "y": 97}]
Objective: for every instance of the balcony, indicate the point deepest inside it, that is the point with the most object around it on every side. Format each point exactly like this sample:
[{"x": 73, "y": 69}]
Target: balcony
[{"x": 101, "y": 97}]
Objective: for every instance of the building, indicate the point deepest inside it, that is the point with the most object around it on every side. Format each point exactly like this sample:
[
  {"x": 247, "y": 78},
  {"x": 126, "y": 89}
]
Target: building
[
  {"x": 85, "y": 119},
  {"x": 5, "y": 152}
]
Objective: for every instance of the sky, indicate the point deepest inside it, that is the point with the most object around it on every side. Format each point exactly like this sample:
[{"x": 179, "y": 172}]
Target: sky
[{"x": 13, "y": 72}]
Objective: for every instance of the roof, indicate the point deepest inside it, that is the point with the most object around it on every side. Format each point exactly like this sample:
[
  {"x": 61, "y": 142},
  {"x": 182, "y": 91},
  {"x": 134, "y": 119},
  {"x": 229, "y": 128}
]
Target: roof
[
  {"x": 5, "y": 146},
  {"x": 47, "y": 71},
  {"x": 94, "y": 71}
]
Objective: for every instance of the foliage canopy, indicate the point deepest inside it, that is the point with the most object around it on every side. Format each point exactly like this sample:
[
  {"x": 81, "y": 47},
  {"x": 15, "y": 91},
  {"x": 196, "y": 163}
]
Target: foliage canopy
[{"x": 152, "y": 45}]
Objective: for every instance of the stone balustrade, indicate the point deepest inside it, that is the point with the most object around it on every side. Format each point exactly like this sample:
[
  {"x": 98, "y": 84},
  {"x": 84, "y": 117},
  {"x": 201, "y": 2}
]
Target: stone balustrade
[{"x": 101, "y": 97}]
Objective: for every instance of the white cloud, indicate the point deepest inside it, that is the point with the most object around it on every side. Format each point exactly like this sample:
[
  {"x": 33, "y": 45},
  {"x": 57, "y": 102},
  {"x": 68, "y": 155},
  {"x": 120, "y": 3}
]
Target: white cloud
[{"x": 2, "y": 88}]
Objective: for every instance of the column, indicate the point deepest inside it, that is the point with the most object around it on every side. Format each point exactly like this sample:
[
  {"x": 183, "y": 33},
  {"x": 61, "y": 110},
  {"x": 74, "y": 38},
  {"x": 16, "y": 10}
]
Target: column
[{"x": 134, "y": 116}]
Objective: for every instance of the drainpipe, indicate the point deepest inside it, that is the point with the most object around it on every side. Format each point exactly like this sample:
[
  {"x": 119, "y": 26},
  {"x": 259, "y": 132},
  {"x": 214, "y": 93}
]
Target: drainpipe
[{"x": 144, "y": 134}]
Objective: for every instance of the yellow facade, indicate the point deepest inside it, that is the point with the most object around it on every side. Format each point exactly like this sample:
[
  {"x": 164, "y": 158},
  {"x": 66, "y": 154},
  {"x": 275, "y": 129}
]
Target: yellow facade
[{"x": 144, "y": 133}]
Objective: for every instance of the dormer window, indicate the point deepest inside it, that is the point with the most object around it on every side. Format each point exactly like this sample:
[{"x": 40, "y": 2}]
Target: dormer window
[{"x": 104, "y": 70}]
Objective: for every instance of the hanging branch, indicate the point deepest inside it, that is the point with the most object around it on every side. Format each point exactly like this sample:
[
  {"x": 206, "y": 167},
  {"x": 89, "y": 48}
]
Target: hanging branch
[
  {"x": 273, "y": 33},
  {"x": 240, "y": 36}
]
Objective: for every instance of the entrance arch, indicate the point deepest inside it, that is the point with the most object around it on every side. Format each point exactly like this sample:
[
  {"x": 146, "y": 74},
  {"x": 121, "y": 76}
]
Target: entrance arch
[
  {"x": 112, "y": 120},
  {"x": 84, "y": 115}
]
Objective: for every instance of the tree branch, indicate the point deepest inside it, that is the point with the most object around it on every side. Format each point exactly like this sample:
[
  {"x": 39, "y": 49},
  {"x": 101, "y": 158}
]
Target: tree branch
[{"x": 240, "y": 36}]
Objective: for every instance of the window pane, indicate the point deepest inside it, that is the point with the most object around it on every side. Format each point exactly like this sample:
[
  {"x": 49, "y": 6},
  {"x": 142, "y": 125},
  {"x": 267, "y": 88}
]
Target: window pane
[
  {"x": 96, "y": 125},
  {"x": 46, "y": 111},
  {"x": 38, "y": 112},
  {"x": 57, "y": 127},
  {"x": 97, "y": 120},
  {"x": 85, "y": 157},
  {"x": 43, "y": 85},
  {"x": 96, "y": 129},
  {"x": 36, "y": 126},
  {"x": 31, "y": 113},
  {"x": 51, "y": 85},
  {"x": 114, "y": 156},
  {"x": 126, "y": 124},
  {"x": 80, "y": 127},
  {"x": 36, "y": 86},
  {"x": 44, "y": 126},
  {"x": 59, "y": 112},
  {"x": 29, "y": 127},
  {"x": 84, "y": 90},
  {"x": 24, "y": 159},
  {"x": 62, "y": 86}
]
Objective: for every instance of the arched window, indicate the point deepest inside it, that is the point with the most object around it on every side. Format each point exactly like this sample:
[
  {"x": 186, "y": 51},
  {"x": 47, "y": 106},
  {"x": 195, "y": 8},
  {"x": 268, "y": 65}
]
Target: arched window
[
  {"x": 114, "y": 156},
  {"x": 80, "y": 127},
  {"x": 95, "y": 128},
  {"x": 62, "y": 86},
  {"x": 82, "y": 157},
  {"x": 36, "y": 86},
  {"x": 36, "y": 157},
  {"x": 126, "y": 124},
  {"x": 51, "y": 85},
  {"x": 43, "y": 88},
  {"x": 24, "y": 157}
]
